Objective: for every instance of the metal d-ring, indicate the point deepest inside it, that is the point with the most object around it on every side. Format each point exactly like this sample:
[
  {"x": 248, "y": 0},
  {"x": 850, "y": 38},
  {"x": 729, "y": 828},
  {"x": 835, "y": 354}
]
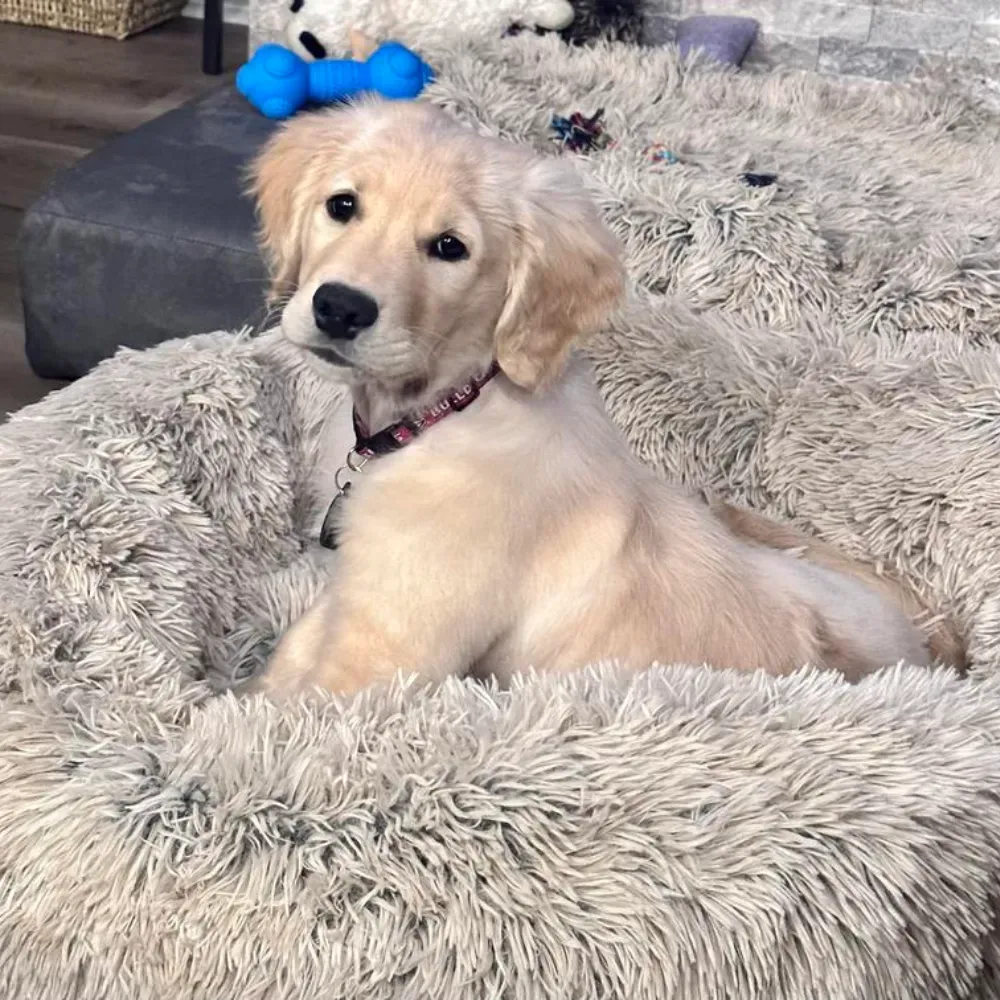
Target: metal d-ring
[{"x": 354, "y": 463}]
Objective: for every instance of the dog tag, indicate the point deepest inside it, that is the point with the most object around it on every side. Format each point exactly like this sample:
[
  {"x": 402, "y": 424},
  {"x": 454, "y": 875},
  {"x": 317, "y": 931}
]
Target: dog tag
[{"x": 330, "y": 531}]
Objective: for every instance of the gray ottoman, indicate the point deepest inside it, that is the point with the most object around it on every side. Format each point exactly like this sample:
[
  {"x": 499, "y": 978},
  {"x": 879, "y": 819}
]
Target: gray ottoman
[{"x": 150, "y": 237}]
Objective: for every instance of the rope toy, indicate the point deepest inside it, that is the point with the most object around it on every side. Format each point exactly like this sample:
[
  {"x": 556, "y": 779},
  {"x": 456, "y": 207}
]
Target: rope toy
[
  {"x": 658, "y": 153},
  {"x": 581, "y": 134}
]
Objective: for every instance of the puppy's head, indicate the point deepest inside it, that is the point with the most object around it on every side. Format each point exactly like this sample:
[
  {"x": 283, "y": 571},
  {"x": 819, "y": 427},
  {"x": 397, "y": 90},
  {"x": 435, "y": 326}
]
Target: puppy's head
[{"x": 412, "y": 251}]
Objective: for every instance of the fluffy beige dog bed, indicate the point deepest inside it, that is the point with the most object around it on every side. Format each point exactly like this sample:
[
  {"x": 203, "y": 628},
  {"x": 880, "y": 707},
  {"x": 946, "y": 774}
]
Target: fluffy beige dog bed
[{"x": 683, "y": 833}]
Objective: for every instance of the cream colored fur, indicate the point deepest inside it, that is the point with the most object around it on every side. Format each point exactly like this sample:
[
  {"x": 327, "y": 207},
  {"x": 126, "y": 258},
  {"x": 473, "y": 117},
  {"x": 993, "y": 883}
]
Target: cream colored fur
[{"x": 521, "y": 532}]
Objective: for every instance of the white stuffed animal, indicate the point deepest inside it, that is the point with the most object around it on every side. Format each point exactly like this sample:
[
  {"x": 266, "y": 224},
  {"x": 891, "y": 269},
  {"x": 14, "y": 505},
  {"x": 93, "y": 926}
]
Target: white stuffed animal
[{"x": 319, "y": 29}]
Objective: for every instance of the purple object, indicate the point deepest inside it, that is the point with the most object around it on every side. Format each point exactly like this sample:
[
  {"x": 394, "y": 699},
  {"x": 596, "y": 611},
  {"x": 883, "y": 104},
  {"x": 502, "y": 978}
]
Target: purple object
[
  {"x": 277, "y": 82},
  {"x": 726, "y": 39}
]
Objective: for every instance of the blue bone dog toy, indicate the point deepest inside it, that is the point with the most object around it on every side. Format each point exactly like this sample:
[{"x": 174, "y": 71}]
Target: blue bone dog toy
[{"x": 277, "y": 82}]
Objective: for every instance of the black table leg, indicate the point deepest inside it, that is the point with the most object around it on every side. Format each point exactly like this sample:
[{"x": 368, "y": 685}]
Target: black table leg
[{"x": 211, "y": 49}]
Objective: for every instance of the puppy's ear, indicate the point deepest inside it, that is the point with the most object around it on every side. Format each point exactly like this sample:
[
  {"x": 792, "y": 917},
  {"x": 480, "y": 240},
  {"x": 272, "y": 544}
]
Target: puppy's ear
[
  {"x": 286, "y": 181},
  {"x": 566, "y": 275}
]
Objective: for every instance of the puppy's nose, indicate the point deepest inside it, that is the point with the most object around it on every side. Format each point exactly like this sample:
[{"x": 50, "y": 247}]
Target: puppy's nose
[{"x": 342, "y": 312}]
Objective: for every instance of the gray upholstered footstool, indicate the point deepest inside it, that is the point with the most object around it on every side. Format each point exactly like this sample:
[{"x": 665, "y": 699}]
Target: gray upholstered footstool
[{"x": 148, "y": 238}]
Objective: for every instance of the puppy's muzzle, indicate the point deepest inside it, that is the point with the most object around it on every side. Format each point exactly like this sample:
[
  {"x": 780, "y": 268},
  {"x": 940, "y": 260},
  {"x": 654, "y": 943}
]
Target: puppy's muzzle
[{"x": 342, "y": 312}]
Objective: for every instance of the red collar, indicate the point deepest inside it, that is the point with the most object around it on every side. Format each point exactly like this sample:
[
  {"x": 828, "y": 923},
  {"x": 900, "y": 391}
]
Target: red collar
[
  {"x": 401, "y": 433},
  {"x": 394, "y": 437}
]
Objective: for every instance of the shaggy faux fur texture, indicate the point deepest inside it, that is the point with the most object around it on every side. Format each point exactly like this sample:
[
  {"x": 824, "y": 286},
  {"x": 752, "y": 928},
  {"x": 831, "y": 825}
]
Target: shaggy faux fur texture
[
  {"x": 883, "y": 219},
  {"x": 684, "y": 833}
]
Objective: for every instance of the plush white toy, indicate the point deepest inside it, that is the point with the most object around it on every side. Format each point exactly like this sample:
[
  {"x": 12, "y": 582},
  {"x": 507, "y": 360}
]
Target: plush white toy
[{"x": 318, "y": 29}]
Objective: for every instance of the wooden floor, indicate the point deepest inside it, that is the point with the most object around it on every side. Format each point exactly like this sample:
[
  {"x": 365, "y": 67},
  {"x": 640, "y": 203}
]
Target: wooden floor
[{"x": 62, "y": 95}]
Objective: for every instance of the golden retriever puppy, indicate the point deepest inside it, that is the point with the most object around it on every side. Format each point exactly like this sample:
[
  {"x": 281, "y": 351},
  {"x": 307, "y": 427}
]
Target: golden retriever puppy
[{"x": 503, "y": 523}]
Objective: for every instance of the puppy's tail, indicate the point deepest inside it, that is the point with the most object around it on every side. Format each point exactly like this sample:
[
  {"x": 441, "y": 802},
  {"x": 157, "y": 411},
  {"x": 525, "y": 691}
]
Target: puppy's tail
[{"x": 943, "y": 638}]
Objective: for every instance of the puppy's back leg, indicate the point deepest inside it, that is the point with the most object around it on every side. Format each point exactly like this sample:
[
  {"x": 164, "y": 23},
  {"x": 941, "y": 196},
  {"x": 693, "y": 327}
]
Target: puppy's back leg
[{"x": 942, "y": 635}]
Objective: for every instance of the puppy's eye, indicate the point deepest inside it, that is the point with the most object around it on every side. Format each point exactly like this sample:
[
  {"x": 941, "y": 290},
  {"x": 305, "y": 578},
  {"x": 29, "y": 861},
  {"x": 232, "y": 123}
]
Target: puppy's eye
[
  {"x": 342, "y": 207},
  {"x": 447, "y": 246}
]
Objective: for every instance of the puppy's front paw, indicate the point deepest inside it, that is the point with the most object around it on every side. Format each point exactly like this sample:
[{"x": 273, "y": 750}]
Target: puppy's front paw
[
  {"x": 282, "y": 676},
  {"x": 259, "y": 683}
]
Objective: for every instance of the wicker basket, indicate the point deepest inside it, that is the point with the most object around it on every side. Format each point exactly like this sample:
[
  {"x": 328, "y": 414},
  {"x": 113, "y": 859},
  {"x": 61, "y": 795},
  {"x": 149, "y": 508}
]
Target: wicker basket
[{"x": 113, "y": 18}]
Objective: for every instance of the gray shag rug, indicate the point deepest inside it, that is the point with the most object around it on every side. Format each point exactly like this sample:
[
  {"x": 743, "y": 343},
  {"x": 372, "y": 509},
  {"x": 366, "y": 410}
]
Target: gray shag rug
[{"x": 682, "y": 833}]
